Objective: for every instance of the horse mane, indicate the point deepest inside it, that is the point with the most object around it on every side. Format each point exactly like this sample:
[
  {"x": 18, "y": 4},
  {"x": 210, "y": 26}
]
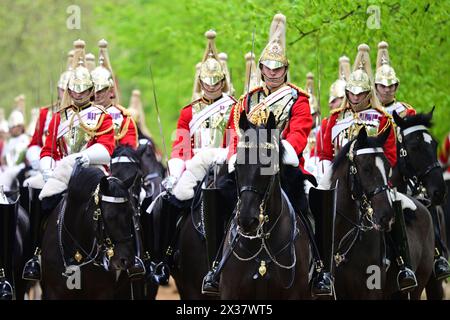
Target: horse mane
[
  {"x": 126, "y": 151},
  {"x": 82, "y": 185},
  {"x": 370, "y": 142},
  {"x": 423, "y": 119}
]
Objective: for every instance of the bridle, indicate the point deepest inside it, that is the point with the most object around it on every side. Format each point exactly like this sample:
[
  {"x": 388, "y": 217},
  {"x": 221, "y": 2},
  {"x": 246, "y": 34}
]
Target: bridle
[
  {"x": 413, "y": 177},
  {"x": 363, "y": 201},
  {"x": 103, "y": 244}
]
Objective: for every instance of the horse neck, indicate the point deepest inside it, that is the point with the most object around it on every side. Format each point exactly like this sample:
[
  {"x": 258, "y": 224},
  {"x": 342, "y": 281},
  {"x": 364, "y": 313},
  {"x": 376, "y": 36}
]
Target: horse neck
[
  {"x": 80, "y": 224},
  {"x": 398, "y": 180},
  {"x": 277, "y": 208}
]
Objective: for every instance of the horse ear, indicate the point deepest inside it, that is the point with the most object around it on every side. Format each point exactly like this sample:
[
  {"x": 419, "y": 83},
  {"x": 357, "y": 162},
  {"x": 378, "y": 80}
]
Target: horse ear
[
  {"x": 104, "y": 185},
  {"x": 431, "y": 112},
  {"x": 381, "y": 138},
  {"x": 243, "y": 121},
  {"x": 362, "y": 136},
  {"x": 398, "y": 120},
  {"x": 271, "y": 124}
]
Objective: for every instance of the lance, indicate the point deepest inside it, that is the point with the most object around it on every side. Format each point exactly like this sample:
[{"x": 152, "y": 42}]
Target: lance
[{"x": 158, "y": 116}]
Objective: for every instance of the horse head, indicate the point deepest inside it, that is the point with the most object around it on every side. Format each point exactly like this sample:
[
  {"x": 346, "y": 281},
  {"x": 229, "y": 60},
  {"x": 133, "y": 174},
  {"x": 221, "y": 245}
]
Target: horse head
[
  {"x": 152, "y": 169},
  {"x": 116, "y": 215},
  {"x": 417, "y": 155},
  {"x": 256, "y": 169},
  {"x": 365, "y": 169}
]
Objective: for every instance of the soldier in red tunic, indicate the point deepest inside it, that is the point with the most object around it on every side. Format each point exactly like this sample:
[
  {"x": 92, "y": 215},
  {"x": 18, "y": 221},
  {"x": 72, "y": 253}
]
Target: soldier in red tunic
[{"x": 79, "y": 130}]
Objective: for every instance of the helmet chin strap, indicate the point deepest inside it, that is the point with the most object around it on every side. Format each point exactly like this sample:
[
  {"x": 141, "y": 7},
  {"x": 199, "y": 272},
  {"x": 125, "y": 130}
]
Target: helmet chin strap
[
  {"x": 279, "y": 80},
  {"x": 83, "y": 102},
  {"x": 362, "y": 105}
]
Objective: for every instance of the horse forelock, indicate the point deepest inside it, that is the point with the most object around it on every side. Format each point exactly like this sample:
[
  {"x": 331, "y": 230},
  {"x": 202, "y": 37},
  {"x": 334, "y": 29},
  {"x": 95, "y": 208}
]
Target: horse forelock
[{"x": 423, "y": 119}]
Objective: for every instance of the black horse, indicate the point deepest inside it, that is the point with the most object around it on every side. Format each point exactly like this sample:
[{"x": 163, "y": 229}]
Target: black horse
[
  {"x": 419, "y": 173},
  {"x": 89, "y": 238},
  {"x": 266, "y": 251},
  {"x": 15, "y": 243},
  {"x": 365, "y": 216}
]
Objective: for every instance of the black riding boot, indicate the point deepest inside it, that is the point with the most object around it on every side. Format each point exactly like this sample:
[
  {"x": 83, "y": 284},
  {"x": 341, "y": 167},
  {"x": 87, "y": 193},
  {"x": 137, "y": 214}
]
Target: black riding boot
[
  {"x": 406, "y": 278},
  {"x": 441, "y": 268},
  {"x": 137, "y": 270},
  {"x": 32, "y": 269},
  {"x": 165, "y": 223},
  {"x": 8, "y": 221},
  {"x": 323, "y": 206},
  {"x": 214, "y": 229}
]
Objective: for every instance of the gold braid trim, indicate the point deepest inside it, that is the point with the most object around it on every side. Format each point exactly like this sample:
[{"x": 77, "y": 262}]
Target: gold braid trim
[
  {"x": 91, "y": 132},
  {"x": 298, "y": 89},
  {"x": 124, "y": 130},
  {"x": 237, "y": 114}
]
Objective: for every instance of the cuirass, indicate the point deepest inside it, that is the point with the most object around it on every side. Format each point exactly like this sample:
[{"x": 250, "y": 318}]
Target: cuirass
[
  {"x": 212, "y": 130},
  {"x": 349, "y": 123},
  {"x": 280, "y": 108},
  {"x": 77, "y": 129}
]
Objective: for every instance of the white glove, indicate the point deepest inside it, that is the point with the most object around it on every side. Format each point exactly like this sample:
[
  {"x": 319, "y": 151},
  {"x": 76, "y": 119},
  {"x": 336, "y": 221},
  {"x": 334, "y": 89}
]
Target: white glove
[
  {"x": 290, "y": 157},
  {"x": 231, "y": 163},
  {"x": 324, "y": 173},
  {"x": 46, "y": 165},
  {"x": 95, "y": 155},
  {"x": 221, "y": 155},
  {"x": 33, "y": 156},
  {"x": 176, "y": 167}
]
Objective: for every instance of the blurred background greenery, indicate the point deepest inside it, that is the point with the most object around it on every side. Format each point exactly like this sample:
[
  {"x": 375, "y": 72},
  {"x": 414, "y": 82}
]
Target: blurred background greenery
[{"x": 34, "y": 40}]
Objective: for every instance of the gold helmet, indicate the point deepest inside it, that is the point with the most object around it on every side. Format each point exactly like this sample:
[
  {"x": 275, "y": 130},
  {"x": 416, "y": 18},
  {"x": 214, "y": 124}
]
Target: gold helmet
[
  {"x": 65, "y": 76},
  {"x": 16, "y": 119},
  {"x": 103, "y": 75},
  {"x": 90, "y": 61},
  {"x": 211, "y": 70},
  {"x": 274, "y": 54},
  {"x": 337, "y": 89},
  {"x": 20, "y": 103},
  {"x": 197, "y": 90},
  {"x": 137, "y": 112},
  {"x": 80, "y": 79},
  {"x": 252, "y": 73},
  {"x": 313, "y": 103},
  {"x": 360, "y": 79},
  {"x": 385, "y": 74},
  {"x": 223, "y": 58}
]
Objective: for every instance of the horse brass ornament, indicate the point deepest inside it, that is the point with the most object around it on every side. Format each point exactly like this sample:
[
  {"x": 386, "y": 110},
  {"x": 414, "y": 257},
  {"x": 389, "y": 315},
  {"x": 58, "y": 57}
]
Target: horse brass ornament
[
  {"x": 78, "y": 257},
  {"x": 262, "y": 268}
]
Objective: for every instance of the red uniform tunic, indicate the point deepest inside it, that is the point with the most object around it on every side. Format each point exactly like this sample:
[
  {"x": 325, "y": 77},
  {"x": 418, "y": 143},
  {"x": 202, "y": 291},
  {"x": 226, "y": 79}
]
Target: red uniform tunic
[
  {"x": 379, "y": 117},
  {"x": 56, "y": 147},
  {"x": 186, "y": 143},
  {"x": 295, "y": 127},
  {"x": 444, "y": 154},
  {"x": 124, "y": 126},
  {"x": 41, "y": 128}
]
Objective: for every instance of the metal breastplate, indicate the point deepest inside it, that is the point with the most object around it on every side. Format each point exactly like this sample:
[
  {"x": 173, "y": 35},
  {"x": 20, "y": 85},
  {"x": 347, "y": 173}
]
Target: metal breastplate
[
  {"x": 280, "y": 108},
  {"x": 14, "y": 148},
  {"x": 117, "y": 119},
  {"x": 398, "y": 107},
  {"x": 211, "y": 132},
  {"x": 370, "y": 119},
  {"x": 75, "y": 136}
]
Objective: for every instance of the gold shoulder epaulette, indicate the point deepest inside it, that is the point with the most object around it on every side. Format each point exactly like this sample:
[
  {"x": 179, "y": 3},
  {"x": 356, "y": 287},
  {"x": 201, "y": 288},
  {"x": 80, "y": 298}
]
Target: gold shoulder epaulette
[
  {"x": 337, "y": 110},
  {"x": 124, "y": 110},
  {"x": 101, "y": 108},
  {"x": 407, "y": 105},
  {"x": 303, "y": 92}
]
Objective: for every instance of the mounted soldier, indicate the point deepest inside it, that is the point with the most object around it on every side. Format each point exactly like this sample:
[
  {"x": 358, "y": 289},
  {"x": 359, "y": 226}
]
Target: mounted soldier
[
  {"x": 79, "y": 130},
  {"x": 199, "y": 136},
  {"x": 362, "y": 109},
  {"x": 292, "y": 112}
]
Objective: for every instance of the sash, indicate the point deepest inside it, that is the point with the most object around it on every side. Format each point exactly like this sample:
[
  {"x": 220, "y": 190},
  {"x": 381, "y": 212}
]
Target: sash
[
  {"x": 90, "y": 113},
  {"x": 207, "y": 112},
  {"x": 397, "y": 106},
  {"x": 270, "y": 99},
  {"x": 363, "y": 116}
]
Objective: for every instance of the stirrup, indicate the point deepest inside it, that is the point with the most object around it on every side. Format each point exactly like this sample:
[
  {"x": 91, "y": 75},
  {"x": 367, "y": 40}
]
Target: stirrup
[
  {"x": 409, "y": 276},
  {"x": 161, "y": 274},
  {"x": 6, "y": 289},
  {"x": 441, "y": 268},
  {"x": 32, "y": 269},
  {"x": 210, "y": 286},
  {"x": 322, "y": 284},
  {"x": 137, "y": 271}
]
